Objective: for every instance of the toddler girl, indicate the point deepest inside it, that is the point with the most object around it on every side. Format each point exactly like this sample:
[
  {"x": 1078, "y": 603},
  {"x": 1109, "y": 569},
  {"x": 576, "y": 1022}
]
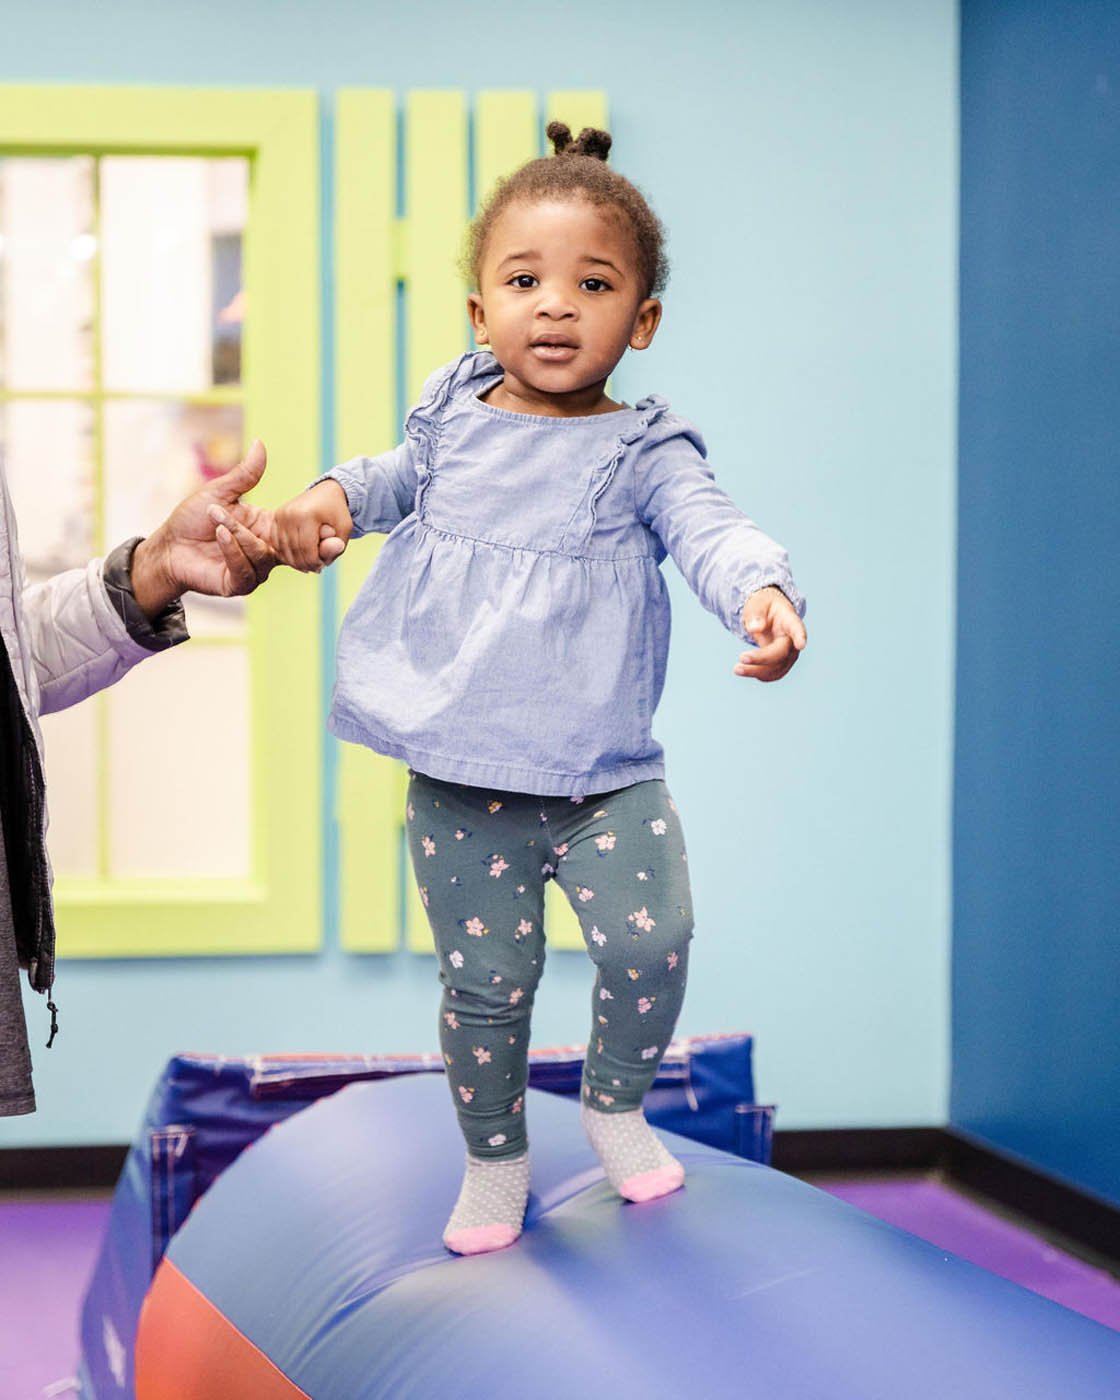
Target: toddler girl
[{"x": 510, "y": 646}]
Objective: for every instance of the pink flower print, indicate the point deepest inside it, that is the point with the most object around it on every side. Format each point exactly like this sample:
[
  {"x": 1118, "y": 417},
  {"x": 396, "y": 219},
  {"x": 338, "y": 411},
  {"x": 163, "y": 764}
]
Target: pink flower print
[
  {"x": 561, "y": 851},
  {"x": 410, "y": 811},
  {"x": 521, "y": 889},
  {"x": 672, "y": 960},
  {"x": 517, "y": 1104},
  {"x": 525, "y": 927},
  {"x": 513, "y": 1040},
  {"x": 597, "y": 937},
  {"x": 466, "y": 1094},
  {"x": 633, "y": 973},
  {"x": 451, "y": 1019},
  {"x": 429, "y": 845},
  {"x": 605, "y": 842},
  {"x": 604, "y": 995},
  {"x": 547, "y": 870},
  {"x": 481, "y": 1054},
  {"x": 599, "y": 1045},
  {"x": 641, "y": 919},
  {"x": 424, "y": 895},
  {"x": 460, "y": 834},
  {"x": 475, "y": 927},
  {"x": 495, "y": 978},
  {"x": 584, "y": 893},
  {"x": 496, "y": 1140},
  {"x": 657, "y": 826},
  {"x": 645, "y": 1004},
  {"x": 515, "y": 996},
  {"x": 494, "y": 807},
  {"x": 455, "y": 958},
  {"x": 649, "y": 1052},
  {"x": 643, "y": 874},
  {"x": 605, "y": 1099},
  {"x": 497, "y": 865},
  {"x": 672, "y": 805}
]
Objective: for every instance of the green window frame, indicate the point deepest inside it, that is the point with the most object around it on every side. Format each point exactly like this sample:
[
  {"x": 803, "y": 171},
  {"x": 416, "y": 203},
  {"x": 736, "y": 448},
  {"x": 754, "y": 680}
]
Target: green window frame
[{"x": 277, "y": 909}]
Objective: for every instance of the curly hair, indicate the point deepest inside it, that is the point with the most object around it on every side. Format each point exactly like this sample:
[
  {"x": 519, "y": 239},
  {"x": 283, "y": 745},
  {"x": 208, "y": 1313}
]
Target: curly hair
[{"x": 577, "y": 169}]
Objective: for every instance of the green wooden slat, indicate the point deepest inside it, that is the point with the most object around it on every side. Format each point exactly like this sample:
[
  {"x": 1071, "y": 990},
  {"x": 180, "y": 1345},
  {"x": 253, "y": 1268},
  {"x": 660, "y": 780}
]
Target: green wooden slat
[
  {"x": 368, "y": 807},
  {"x": 436, "y": 213},
  {"x": 506, "y": 135}
]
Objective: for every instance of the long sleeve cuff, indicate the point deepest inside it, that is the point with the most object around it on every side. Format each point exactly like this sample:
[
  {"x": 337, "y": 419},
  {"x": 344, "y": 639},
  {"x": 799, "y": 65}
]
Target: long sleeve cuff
[{"x": 167, "y": 629}]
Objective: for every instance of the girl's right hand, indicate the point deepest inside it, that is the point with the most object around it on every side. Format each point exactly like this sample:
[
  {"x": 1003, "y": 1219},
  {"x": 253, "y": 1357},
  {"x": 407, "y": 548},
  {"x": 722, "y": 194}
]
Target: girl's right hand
[{"x": 313, "y": 529}]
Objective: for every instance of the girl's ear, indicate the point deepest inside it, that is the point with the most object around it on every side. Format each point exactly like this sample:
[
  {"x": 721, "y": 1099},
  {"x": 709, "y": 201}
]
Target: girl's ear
[
  {"x": 645, "y": 324},
  {"x": 478, "y": 318}
]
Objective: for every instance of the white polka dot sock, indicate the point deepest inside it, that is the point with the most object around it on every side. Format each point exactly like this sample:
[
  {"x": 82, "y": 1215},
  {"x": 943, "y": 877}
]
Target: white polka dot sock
[
  {"x": 638, "y": 1164},
  {"x": 491, "y": 1206}
]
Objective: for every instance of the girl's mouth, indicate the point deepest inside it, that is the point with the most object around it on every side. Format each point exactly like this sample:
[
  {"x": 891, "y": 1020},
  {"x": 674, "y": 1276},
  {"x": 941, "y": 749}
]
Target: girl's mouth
[{"x": 555, "y": 352}]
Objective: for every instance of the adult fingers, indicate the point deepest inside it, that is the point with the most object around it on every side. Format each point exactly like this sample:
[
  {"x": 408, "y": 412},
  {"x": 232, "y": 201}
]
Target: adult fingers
[{"x": 248, "y": 560}]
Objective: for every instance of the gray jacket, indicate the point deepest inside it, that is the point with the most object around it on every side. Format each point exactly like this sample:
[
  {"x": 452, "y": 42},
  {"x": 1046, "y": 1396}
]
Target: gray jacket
[{"x": 64, "y": 639}]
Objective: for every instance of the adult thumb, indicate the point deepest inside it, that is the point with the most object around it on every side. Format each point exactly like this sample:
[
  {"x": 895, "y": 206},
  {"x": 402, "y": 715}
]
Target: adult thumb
[{"x": 245, "y": 475}]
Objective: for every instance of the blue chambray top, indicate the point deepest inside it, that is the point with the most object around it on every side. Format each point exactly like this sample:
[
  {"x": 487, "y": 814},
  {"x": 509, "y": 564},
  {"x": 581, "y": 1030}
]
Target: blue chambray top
[{"x": 514, "y": 629}]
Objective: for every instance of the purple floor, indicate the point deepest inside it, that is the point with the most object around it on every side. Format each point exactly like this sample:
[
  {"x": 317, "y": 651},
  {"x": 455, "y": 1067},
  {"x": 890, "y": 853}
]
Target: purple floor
[
  {"x": 47, "y": 1248},
  {"x": 960, "y": 1226}
]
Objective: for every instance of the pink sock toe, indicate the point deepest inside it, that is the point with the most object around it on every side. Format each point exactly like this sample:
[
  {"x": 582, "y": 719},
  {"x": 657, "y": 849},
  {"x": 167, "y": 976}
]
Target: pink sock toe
[
  {"x": 481, "y": 1239},
  {"x": 647, "y": 1186}
]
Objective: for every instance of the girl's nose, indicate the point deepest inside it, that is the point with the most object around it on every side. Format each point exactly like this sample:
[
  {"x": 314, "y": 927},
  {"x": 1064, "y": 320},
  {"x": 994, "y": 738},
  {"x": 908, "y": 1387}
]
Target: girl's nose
[{"x": 555, "y": 304}]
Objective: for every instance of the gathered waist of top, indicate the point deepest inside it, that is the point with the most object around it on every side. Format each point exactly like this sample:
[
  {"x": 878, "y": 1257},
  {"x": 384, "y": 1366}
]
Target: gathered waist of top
[{"x": 457, "y": 537}]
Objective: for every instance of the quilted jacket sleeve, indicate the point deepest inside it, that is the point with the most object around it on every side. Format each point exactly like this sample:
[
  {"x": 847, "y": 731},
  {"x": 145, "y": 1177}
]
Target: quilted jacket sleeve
[{"x": 77, "y": 641}]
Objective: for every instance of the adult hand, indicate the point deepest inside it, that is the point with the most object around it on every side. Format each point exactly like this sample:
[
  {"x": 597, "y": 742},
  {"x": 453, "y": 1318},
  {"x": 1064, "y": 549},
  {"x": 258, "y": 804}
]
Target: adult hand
[
  {"x": 212, "y": 542},
  {"x": 772, "y": 621}
]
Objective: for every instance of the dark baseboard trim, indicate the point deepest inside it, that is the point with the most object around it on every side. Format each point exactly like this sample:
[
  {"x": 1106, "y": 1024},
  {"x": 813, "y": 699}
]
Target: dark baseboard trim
[
  {"x": 61, "y": 1168},
  {"x": 803, "y": 1151},
  {"x": 1055, "y": 1205},
  {"x": 1081, "y": 1218}
]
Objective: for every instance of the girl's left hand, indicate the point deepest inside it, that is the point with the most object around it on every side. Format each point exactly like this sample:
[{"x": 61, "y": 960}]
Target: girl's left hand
[{"x": 772, "y": 621}]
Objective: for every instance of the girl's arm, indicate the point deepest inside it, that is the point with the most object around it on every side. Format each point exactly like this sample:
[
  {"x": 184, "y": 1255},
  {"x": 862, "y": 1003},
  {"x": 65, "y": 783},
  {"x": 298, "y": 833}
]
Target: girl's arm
[
  {"x": 724, "y": 556},
  {"x": 358, "y": 497},
  {"x": 380, "y": 491}
]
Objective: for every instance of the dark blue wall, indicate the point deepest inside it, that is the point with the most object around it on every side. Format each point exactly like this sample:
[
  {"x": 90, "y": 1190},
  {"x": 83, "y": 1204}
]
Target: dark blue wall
[{"x": 1036, "y": 959}]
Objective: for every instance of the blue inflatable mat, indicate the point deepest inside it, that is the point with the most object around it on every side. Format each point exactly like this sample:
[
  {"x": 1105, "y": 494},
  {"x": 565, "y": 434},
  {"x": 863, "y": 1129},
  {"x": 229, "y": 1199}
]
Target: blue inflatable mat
[
  {"x": 205, "y": 1110},
  {"x": 320, "y": 1247}
]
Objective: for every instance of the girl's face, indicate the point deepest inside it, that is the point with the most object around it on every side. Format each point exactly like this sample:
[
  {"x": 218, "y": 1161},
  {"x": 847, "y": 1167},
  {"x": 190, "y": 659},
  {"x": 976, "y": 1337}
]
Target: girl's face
[{"x": 560, "y": 298}]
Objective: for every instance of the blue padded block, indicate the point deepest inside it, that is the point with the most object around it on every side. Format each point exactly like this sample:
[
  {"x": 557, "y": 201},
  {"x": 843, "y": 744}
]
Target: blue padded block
[{"x": 321, "y": 1244}]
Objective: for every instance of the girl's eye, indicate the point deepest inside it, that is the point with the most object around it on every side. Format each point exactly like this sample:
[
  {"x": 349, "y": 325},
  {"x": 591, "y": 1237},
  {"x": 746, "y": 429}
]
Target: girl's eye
[
  {"x": 595, "y": 284},
  {"x": 523, "y": 279}
]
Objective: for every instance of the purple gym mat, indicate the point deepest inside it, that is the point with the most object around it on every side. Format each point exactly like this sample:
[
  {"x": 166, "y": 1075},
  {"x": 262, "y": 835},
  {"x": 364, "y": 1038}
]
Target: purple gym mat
[
  {"x": 47, "y": 1249},
  {"x": 953, "y": 1222}
]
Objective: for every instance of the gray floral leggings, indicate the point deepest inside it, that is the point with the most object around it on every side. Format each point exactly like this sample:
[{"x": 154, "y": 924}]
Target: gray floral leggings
[{"x": 481, "y": 860}]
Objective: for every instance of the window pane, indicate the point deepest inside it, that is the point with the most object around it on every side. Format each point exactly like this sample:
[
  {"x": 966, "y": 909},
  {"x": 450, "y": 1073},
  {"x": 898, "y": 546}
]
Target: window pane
[
  {"x": 46, "y": 279},
  {"x": 47, "y": 447},
  {"x": 155, "y": 454},
  {"x": 179, "y": 765},
  {"x": 71, "y": 743},
  {"x": 172, "y": 304}
]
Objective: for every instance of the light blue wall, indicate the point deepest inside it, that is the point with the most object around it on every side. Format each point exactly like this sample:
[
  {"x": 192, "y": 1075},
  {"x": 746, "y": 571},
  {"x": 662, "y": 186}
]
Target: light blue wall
[{"x": 803, "y": 156}]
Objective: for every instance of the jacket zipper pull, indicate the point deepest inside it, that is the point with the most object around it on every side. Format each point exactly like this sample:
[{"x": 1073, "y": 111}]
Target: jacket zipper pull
[{"x": 54, "y": 1022}]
